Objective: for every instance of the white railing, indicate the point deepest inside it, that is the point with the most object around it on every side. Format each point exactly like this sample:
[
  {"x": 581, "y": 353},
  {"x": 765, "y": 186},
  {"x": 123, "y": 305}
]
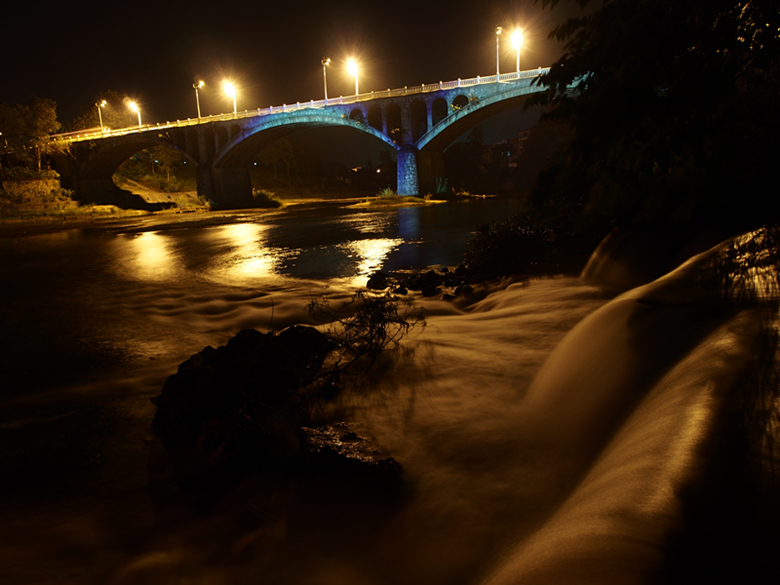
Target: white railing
[{"x": 417, "y": 89}]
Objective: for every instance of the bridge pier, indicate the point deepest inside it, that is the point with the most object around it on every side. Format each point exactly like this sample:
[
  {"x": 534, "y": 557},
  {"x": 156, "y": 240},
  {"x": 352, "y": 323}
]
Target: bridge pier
[
  {"x": 419, "y": 172},
  {"x": 225, "y": 188},
  {"x": 408, "y": 181}
]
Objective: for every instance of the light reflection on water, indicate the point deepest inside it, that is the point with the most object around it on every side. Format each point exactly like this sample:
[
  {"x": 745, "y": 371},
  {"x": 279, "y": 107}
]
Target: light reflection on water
[
  {"x": 241, "y": 254},
  {"x": 149, "y": 256},
  {"x": 371, "y": 254},
  {"x": 247, "y": 256}
]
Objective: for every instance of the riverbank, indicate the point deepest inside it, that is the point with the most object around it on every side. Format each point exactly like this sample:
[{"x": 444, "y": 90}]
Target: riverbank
[{"x": 110, "y": 217}]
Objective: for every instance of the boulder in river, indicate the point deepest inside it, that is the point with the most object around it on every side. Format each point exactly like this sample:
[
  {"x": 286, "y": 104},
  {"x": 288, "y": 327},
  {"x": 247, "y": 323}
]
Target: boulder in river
[
  {"x": 344, "y": 451},
  {"x": 238, "y": 407}
]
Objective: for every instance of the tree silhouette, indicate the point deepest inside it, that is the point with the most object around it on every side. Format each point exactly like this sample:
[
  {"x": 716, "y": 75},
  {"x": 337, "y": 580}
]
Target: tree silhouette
[
  {"x": 26, "y": 129},
  {"x": 672, "y": 108}
]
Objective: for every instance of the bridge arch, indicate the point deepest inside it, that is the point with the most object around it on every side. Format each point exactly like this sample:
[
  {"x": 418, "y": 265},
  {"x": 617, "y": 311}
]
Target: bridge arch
[
  {"x": 265, "y": 129},
  {"x": 439, "y": 110},
  {"x": 419, "y": 118},
  {"x": 375, "y": 118},
  {"x": 223, "y": 136},
  {"x": 476, "y": 110},
  {"x": 459, "y": 102},
  {"x": 394, "y": 123}
]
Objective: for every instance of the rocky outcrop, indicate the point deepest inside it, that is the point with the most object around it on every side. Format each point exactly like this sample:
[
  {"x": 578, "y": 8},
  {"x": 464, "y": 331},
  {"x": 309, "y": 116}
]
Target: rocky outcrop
[
  {"x": 237, "y": 408},
  {"x": 345, "y": 452}
]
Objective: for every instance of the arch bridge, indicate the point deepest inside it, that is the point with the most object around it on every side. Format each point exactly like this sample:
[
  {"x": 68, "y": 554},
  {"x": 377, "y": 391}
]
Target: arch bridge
[{"x": 418, "y": 122}]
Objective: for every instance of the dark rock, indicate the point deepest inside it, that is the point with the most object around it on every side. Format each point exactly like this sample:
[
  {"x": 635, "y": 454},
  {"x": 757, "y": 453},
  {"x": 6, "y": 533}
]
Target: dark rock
[
  {"x": 343, "y": 451},
  {"x": 240, "y": 404},
  {"x": 378, "y": 281}
]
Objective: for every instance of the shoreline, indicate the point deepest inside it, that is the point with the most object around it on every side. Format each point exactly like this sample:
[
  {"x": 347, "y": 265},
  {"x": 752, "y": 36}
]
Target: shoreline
[{"x": 114, "y": 218}]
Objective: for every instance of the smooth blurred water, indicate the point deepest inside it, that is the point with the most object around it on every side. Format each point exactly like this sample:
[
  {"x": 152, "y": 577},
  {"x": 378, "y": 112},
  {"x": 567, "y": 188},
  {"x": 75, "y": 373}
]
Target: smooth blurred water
[
  {"x": 547, "y": 433},
  {"x": 75, "y": 302}
]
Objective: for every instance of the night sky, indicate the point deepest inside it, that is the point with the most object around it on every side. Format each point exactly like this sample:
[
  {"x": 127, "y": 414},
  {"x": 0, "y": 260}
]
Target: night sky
[{"x": 152, "y": 51}]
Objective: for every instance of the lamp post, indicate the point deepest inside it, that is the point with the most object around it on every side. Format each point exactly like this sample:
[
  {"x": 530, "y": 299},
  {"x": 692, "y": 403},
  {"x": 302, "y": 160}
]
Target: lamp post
[
  {"x": 134, "y": 107},
  {"x": 498, "y": 36},
  {"x": 230, "y": 90},
  {"x": 196, "y": 86},
  {"x": 325, "y": 63},
  {"x": 352, "y": 68},
  {"x": 100, "y": 105},
  {"x": 517, "y": 42}
]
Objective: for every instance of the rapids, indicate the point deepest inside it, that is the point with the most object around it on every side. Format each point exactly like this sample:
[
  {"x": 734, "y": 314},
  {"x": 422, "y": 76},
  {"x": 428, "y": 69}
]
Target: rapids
[{"x": 548, "y": 433}]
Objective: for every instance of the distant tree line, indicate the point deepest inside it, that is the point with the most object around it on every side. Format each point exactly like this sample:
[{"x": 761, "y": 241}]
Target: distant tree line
[{"x": 25, "y": 142}]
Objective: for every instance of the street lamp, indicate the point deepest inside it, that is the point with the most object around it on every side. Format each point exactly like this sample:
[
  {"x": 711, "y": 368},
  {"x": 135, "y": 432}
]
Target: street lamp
[
  {"x": 230, "y": 90},
  {"x": 498, "y": 35},
  {"x": 352, "y": 68},
  {"x": 325, "y": 63},
  {"x": 100, "y": 105},
  {"x": 196, "y": 86},
  {"x": 517, "y": 42},
  {"x": 134, "y": 107}
]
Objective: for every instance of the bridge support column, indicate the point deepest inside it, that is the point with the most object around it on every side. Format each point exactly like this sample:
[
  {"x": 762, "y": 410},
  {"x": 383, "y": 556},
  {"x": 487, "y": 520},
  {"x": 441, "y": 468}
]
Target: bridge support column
[
  {"x": 408, "y": 183},
  {"x": 225, "y": 188}
]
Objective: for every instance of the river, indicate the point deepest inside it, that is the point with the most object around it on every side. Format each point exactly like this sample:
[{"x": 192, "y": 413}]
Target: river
[{"x": 545, "y": 431}]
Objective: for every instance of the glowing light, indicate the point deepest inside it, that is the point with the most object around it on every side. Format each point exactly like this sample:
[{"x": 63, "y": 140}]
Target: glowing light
[
  {"x": 230, "y": 90},
  {"x": 134, "y": 107},
  {"x": 517, "y": 42},
  {"x": 100, "y": 105},
  {"x": 196, "y": 86},
  {"x": 353, "y": 69}
]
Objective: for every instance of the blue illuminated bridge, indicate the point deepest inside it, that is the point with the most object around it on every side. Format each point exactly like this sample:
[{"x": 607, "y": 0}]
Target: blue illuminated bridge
[{"x": 418, "y": 122}]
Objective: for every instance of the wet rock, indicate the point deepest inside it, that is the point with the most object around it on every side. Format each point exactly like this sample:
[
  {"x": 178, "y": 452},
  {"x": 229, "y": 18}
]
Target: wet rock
[
  {"x": 344, "y": 451},
  {"x": 239, "y": 405},
  {"x": 430, "y": 290},
  {"x": 378, "y": 281},
  {"x": 464, "y": 290}
]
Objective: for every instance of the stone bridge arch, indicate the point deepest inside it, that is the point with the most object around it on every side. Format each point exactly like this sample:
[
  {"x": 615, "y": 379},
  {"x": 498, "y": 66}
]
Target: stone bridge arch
[
  {"x": 225, "y": 179},
  {"x": 90, "y": 169}
]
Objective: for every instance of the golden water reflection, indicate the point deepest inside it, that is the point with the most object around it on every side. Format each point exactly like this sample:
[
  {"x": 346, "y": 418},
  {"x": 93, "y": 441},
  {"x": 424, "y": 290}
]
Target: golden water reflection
[
  {"x": 249, "y": 255},
  {"x": 371, "y": 253},
  {"x": 149, "y": 256}
]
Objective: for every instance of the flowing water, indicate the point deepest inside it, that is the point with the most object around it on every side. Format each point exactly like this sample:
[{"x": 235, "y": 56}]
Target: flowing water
[{"x": 544, "y": 431}]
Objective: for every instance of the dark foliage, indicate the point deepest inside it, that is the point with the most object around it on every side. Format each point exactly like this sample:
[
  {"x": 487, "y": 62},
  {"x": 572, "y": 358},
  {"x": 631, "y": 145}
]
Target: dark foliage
[
  {"x": 365, "y": 326},
  {"x": 525, "y": 245},
  {"x": 673, "y": 108}
]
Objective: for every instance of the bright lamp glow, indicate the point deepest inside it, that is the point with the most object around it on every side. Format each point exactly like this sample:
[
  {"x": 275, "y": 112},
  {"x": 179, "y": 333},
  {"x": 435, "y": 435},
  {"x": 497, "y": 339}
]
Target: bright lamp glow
[
  {"x": 134, "y": 107},
  {"x": 517, "y": 42},
  {"x": 230, "y": 90},
  {"x": 353, "y": 69}
]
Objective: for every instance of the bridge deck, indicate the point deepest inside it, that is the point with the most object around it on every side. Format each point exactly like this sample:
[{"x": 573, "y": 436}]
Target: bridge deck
[{"x": 92, "y": 133}]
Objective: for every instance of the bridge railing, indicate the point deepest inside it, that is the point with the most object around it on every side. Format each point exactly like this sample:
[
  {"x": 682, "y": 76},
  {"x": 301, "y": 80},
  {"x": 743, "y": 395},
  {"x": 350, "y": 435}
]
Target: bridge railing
[{"x": 352, "y": 99}]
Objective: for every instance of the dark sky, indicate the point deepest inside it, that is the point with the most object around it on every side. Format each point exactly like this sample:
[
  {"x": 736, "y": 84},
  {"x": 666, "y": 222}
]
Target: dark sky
[{"x": 152, "y": 51}]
